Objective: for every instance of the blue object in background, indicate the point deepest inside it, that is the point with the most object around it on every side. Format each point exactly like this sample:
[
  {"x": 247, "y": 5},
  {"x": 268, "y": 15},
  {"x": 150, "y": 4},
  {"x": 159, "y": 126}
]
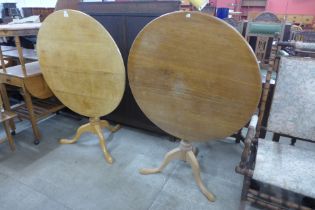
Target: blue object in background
[{"x": 222, "y": 12}]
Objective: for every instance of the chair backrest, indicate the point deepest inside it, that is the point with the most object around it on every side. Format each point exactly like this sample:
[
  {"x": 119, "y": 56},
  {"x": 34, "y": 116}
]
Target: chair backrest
[
  {"x": 264, "y": 28},
  {"x": 304, "y": 36},
  {"x": 293, "y": 103},
  {"x": 294, "y": 34},
  {"x": 266, "y": 17}
]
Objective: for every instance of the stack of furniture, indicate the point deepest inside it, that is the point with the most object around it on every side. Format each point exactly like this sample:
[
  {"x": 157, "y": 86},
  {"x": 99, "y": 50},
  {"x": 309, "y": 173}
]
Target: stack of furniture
[{"x": 10, "y": 12}]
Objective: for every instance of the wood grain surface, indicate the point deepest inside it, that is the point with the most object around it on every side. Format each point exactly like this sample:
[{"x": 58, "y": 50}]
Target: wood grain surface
[
  {"x": 81, "y": 63},
  {"x": 194, "y": 76}
]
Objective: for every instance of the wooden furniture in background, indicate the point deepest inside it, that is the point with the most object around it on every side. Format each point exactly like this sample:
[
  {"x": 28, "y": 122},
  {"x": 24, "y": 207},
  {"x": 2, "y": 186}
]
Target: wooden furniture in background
[
  {"x": 67, "y": 4},
  {"x": 7, "y": 61},
  {"x": 300, "y": 19},
  {"x": 28, "y": 78},
  {"x": 5, "y": 117},
  {"x": 42, "y": 12},
  {"x": 290, "y": 168},
  {"x": 28, "y": 54},
  {"x": 189, "y": 86},
  {"x": 238, "y": 25},
  {"x": 304, "y": 36},
  {"x": 124, "y": 20},
  {"x": 9, "y": 12},
  {"x": 304, "y": 20},
  {"x": 263, "y": 28},
  {"x": 89, "y": 82}
]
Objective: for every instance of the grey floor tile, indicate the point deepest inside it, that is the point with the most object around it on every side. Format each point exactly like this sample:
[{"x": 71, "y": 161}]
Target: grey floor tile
[
  {"x": 54, "y": 176},
  {"x": 17, "y": 196},
  {"x": 181, "y": 191}
]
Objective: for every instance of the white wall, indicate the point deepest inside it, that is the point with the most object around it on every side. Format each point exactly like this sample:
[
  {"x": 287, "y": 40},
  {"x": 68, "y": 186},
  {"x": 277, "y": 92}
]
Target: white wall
[{"x": 32, "y": 3}]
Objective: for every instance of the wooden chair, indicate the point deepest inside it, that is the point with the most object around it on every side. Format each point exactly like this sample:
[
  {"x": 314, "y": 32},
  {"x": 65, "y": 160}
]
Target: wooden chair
[
  {"x": 5, "y": 117},
  {"x": 300, "y": 49},
  {"x": 281, "y": 166},
  {"x": 260, "y": 33}
]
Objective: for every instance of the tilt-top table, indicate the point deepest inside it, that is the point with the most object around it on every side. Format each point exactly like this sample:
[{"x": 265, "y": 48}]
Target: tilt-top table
[
  {"x": 83, "y": 67},
  {"x": 196, "y": 78}
]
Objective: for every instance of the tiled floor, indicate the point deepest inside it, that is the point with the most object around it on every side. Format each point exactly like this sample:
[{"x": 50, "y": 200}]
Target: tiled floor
[{"x": 54, "y": 176}]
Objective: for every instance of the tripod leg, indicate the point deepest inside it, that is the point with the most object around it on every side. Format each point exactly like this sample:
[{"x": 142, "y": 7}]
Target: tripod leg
[
  {"x": 192, "y": 160},
  {"x": 105, "y": 124},
  {"x": 99, "y": 133},
  {"x": 176, "y": 154},
  {"x": 83, "y": 129}
]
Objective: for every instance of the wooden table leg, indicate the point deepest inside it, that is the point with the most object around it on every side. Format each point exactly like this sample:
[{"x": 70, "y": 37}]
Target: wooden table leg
[
  {"x": 29, "y": 105},
  {"x": 95, "y": 126},
  {"x": 2, "y": 61},
  {"x": 9, "y": 136},
  {"x": 186, "y": 153},
  {"x": 6, "y": 104},
  {"x": 20, "y": 52}
]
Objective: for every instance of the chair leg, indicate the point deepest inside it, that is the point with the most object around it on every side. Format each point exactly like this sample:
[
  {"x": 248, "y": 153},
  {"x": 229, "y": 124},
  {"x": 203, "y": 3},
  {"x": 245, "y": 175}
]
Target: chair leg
[
  {"x": 246, "y": 185},
  {"x": 9, "y": 136},
  {"x": 276, "y": 137},
  {"x": 293, "y": 141},
  {"x": 239, "y": 137}
]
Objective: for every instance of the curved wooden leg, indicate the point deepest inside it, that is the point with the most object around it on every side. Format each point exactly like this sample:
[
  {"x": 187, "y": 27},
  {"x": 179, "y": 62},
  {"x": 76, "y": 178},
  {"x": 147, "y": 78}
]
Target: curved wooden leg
[
  {"x": 83, "y": 129},
  {"x": 99, "y": 133},
  {"x": 114, "y": 128},
  {"x": 191, "y": 159},
  {"x": 105, "y": 124},
  {"x": 176, "y": 154}
]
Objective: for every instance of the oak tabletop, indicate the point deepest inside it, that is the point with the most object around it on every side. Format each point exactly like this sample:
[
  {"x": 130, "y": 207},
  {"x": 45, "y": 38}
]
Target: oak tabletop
[
  {"x": 194, "y": 76},
  {"x": 81, "y": 63}
]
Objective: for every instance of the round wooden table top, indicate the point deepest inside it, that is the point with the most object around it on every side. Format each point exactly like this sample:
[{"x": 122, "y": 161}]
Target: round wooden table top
[
  {"x": 194, "y": 76},
  {"x": 81, "y": 63}
]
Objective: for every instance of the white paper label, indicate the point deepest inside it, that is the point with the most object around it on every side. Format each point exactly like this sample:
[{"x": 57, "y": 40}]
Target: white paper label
[{"x": 65, "y": 13}]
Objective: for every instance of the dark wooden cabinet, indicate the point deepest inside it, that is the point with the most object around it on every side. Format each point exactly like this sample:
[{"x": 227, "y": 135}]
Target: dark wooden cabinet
[
  {"x": 42, "y": 12},
  {"x": 124, "y": 20}
]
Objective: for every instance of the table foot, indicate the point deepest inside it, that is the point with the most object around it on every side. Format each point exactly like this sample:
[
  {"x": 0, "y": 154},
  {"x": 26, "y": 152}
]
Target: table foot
[
  {"x": 187, "y": 153},
  {"x": 95, "y": 126}
]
